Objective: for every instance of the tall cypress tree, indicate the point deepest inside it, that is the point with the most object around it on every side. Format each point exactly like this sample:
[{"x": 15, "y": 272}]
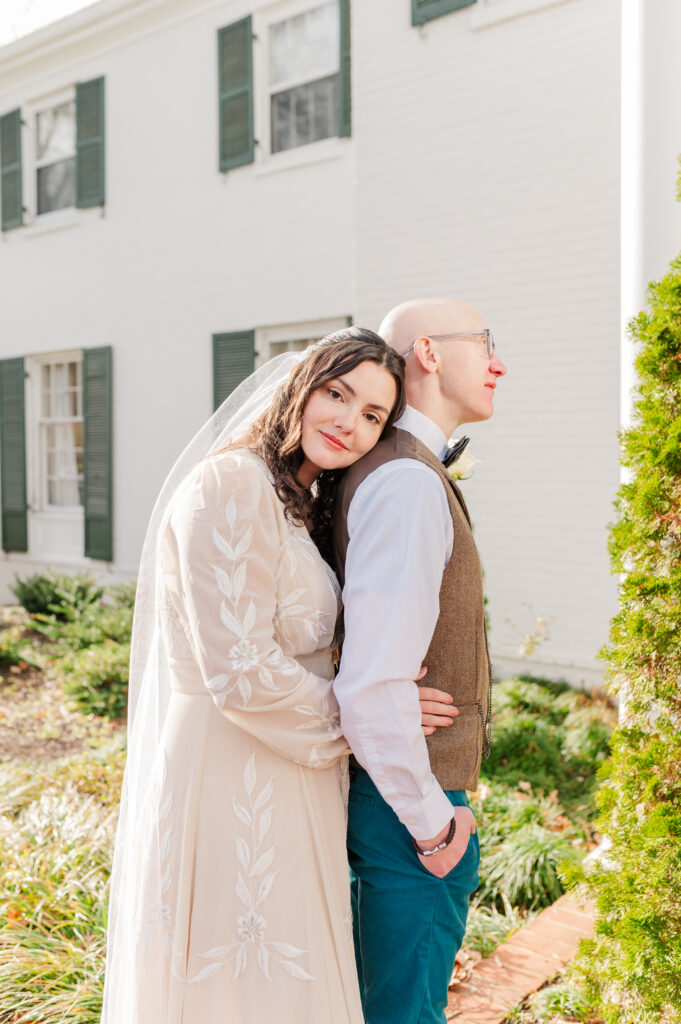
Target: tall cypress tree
[{"x": 631, "y": 969}]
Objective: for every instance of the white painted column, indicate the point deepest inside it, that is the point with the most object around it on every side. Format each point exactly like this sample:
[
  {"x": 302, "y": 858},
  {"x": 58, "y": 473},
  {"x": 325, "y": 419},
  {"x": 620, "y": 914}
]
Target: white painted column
[{"x": 650, "y": 147}]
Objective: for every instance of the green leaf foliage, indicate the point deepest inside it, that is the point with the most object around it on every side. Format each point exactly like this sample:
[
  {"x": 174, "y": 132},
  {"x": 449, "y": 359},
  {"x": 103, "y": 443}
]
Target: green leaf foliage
[
  {"x": 631, "y": 969},
  {"x": 549, "y": 735},
  {"x": 96, "y": 678},
  {"x": 91, "y": 625},
  {"x": 12, "y": 646},
  {"x": 58, "y": 593},
  {"x": 536, "y": 798}
]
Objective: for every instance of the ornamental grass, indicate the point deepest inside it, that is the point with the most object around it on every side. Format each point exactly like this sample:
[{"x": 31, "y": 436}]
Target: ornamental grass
[{"x": 56, "y": 835}]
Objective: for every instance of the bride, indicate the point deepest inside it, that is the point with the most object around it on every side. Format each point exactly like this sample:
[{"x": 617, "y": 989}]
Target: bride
[{"x": 230, "y": 895}]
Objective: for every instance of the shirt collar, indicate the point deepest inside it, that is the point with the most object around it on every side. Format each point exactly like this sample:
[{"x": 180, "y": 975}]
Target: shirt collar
[{"x": 424, "y": 429}]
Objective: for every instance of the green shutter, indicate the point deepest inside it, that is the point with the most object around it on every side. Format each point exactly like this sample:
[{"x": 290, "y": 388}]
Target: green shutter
[
  {"x": 13, "y": 456},
  {"x": 426, "y": 10},
  {"x": 90, "y": 143},
  {"x": 345, "y": 78},
  {"x": 233, "y": 361},
  {"x": 235, "y": 100},
  {"x": 10, "y": 170},
  {"x": 97, "y": 453}
]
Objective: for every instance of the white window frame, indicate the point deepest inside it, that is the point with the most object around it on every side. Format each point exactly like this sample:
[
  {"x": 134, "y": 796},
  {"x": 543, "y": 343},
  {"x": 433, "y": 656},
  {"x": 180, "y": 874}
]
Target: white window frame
[
  {"x": 53, "y": 219},
  {"x": 294, "y": 332},
  {"x": 36, "y": 480},
  {"x": 312, "y": 152}
]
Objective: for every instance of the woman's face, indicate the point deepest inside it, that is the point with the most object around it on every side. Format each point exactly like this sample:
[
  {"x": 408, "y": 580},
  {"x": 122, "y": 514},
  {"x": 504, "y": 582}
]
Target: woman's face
[{"x": 343, "y": 419}]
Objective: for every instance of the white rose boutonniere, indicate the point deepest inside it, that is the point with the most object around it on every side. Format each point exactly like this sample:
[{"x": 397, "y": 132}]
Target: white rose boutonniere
[{"x": 462, "y": 468}]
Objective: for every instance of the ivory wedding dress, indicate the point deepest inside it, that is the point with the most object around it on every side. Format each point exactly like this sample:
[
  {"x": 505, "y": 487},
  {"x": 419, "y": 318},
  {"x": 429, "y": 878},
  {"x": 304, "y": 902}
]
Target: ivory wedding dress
[{"x": 247, "y": 821}]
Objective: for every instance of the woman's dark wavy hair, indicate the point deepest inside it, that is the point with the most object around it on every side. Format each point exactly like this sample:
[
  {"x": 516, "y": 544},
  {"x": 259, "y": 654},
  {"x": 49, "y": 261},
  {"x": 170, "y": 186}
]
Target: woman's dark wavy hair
[{"x": 276, "y": 434}]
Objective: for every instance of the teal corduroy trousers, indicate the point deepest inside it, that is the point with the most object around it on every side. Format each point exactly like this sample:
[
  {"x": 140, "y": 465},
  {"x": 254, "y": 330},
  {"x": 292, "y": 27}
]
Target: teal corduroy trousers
[{"x": 408, "y": 925}]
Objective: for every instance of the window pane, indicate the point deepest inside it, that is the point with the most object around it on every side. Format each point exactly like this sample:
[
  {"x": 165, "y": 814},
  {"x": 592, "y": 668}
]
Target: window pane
[
  {"x": 277, "y": 347},
  {"x": 67, "y": 465},
  {"x": 65, "y": 436},
  {"x": 281, "y": 122},
  {"x": 52, "y": 492},
  {"x": 306, "y": 46},
  {"x": 57, "y": 186},
  {"x": 305, "y": 114},
  {"x": 302, "y": 102},
  {"x": 324, "y": 108},
  {"x": 70, "y": 492},
  {"x": 66, "y": 393},
  {"x": 71, "y": 402},
  {"x": 56, "y": 131}
]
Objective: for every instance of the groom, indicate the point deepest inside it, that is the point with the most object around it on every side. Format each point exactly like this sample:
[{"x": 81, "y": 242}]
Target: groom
[{"x": 412, "y": 596}]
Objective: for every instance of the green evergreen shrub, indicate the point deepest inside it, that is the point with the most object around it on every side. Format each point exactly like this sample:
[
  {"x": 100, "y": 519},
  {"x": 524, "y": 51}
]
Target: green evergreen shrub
[
  {"x": 56, "y": 592},
  {"x": 96, "y": 678},
  {"x": 86, "y": 627},
  {"x": 631, "y": 969},
  {"x": 549, "y": 735}
]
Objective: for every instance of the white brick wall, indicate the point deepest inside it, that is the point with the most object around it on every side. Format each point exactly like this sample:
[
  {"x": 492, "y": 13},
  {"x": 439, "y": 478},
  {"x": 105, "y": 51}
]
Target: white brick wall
[
  {"x": 182, "y": 251},
  {"x": 488, "y": 168},
  {"x": 484, "y": 163}
]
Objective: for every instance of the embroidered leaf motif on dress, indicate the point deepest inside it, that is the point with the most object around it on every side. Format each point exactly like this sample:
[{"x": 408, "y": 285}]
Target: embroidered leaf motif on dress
[{"x": 253, "y": 885}]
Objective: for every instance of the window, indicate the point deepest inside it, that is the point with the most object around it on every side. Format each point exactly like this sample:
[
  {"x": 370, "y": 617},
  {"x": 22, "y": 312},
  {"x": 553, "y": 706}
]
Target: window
[
  {"x": 304, "y": 64},
  {"x": 55, "y": 135},
  {"x": 56, "y": 440},
  {"x": 298, "y": 345},
  {"x": 275, "y": 339},
  {"x": 296, "y": 85},
  {"x": 60, "y": 434},
  {"x": 63, "y": 166}
]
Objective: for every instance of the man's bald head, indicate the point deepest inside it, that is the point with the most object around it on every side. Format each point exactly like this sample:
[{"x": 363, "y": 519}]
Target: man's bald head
[
  {"x": 449, "y": 383},
  {"x": 424, "y": 317}
]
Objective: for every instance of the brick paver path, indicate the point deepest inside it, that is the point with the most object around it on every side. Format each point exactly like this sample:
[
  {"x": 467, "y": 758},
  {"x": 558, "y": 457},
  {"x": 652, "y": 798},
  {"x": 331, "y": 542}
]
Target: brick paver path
[{"x": 522, "y": 964}]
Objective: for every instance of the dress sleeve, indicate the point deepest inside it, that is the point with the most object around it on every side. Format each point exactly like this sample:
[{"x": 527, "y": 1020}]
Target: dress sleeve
[{"x": 225, "y": 529}]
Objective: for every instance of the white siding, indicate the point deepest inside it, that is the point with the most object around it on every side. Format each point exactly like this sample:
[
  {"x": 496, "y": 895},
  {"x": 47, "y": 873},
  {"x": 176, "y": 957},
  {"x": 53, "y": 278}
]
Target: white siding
[
  {"x": 484, "y": 164},
  {"x": 488, "y": 168}
]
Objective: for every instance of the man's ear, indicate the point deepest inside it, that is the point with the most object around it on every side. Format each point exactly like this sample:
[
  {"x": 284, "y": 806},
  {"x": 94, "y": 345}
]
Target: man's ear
[{"x": 426, "y": 354}]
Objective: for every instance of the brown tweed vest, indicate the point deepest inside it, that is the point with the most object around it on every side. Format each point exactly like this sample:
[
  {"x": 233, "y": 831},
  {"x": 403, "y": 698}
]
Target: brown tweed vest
[{"x": 457, "y": 658}]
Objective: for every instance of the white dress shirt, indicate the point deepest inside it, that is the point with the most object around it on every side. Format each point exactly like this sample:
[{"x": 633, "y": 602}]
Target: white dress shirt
[{"x": 401, "y": 538}]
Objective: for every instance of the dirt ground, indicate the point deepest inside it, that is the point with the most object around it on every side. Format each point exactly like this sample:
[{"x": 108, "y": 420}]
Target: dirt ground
[{"x": 35, "y": 720}]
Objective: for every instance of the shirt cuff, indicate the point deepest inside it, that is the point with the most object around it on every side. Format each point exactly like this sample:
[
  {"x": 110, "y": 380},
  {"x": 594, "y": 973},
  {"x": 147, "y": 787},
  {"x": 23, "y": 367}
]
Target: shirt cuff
[{"x": 428, "y": 817}]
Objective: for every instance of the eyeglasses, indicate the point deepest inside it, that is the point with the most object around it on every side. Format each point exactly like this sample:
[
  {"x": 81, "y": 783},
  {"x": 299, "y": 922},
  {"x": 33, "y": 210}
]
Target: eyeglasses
[{"x": 489, "y": 340}]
